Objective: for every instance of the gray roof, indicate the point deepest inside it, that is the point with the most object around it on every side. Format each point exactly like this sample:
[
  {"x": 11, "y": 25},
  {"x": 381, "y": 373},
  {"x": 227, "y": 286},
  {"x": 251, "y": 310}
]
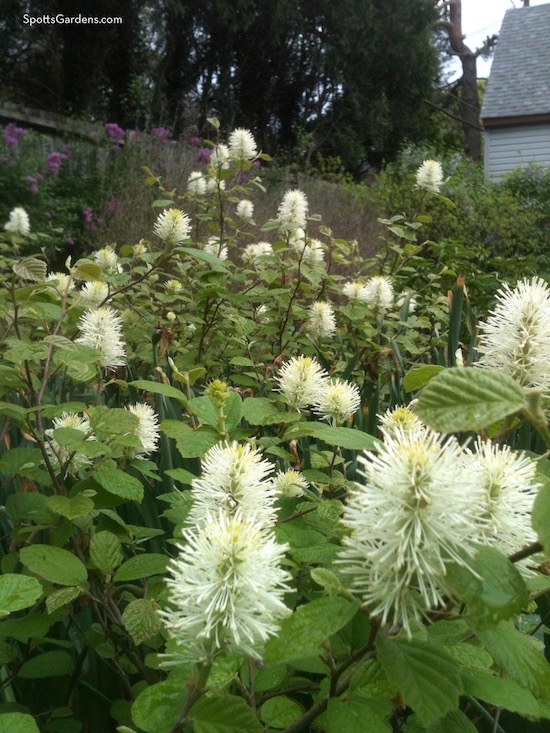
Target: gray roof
[{"x": 519, "y": 82}]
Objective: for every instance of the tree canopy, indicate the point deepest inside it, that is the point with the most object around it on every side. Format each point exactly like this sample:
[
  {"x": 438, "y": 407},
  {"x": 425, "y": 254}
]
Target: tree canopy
[{"x": 352, "y": 75}]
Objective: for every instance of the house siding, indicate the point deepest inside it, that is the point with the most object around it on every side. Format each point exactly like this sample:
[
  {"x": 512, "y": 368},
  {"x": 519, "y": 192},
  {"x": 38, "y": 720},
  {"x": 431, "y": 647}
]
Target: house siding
[{"x": 507, "y": 148}]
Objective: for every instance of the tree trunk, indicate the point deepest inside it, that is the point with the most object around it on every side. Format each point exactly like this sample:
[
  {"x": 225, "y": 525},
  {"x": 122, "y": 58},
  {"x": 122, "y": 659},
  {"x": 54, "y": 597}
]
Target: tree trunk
[{"x": 469, "y": 97}]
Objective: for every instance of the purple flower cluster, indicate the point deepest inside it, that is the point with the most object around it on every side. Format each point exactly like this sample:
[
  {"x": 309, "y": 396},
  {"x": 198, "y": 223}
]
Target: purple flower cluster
[
  {"x": 53, "y": 162},
  {"x": 113, "y": 206},
  {"x": 204, "y": 156},
  {"x": 114, "y": 132},
  {"x": 161, "y": 133},
  {"x": 33, "y": 181},
  {"x": 89, "y": 224},
  {"x": 12, "y": 134}
]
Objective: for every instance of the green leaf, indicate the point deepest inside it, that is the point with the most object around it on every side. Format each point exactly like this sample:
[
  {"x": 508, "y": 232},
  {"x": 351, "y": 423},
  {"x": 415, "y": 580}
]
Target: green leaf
[
  {"x": 355, "y": 714},
  {"x": 61, "y": 597},
  {"x": 498, "y": 592},
  {"x": 30, "y": 268},
  {"x": 198, "y": 254},
  {"x": 309, "y": 626},
  {"x": 158, "y": 388},
  {"x": 17, "y": 723},
  {"x": 141, "y": 619},
  {"x": 499, "y": 691},
  {"x": 427, "y": 677},
  {"x": 19, "y": 461},
  {"x": 182, "y": 475},
  {"x": 280, "y": 712},
  {"x": 224, "y": 714},
  {"x": 17, "y": 592},
  {"x": 71, "y": 508},
  {"x": 89, "y": 271},
  {"x": 326, "y": 579},
  {"x": 541, "y": 511},
  {"x": 342, "y": 437},
  {"x": 419, "y": 377},
  {"x": 466, "y": 398},
  {"x": 112, "y": 420},
  {"x": 197, "y": 443},
  {"x": 233, "y": 410},
  {"x": 141, "y": 566},
  {"x": 204, "y": 409},
  {"x": 105, "y": 551},
  {"x": 117, "y": 482},
  {"x": 518, "y": 655},
  {"x": 454, "y": 722},
  {"x": 54, "y": 564},
  {"x": 261, "y": 411},
  {"x": 158, "y": 707},
  {"x": 47, "y": 664}
]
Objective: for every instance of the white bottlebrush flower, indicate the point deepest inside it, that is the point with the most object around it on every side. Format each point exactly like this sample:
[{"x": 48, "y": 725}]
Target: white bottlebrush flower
[
  {"x": 139, "y": 249},
  {"x": 58, "y": 455},
  {"x": 173, "y": 287},
  {"x": 430, "y": 176},
  {"x": 293, "y": 209},
  {"x": 171, "y": 316},
  {"x": 310, "y": 251},
  {"x": 406, "y": 297},
  {"x": 219, "y": 159},
  {"x": 101, "y": 329},
  {"x": 196, "y": 183},
  {"x": 213, "y": 184},
  {"x": 338, "y": 401},
  {"x": 321, "y": 321},
  {"x": 510, "y": 489},
  {"x": 379, "y": 292},
  {"x": 355, "y": 290},
  {"x": 18, "y": 222},
  {"x": 291, "y": 483},
  {"x": 258, "y": 249},
  {"x": 62, "y": 282},
  {"x": 147, "y": 430},
  {"x": 415, "y": 512},
  {"x": 107, "y": 259},
  {"x": 301, "y": 380},
  {"x": 234, "y": 477},
  {"x": 399, "y": 420},
  {"x": 92, "y": 294},
  {"x": 245, "y": 210},
  {"x": 516, "y": 336},
  {"x": 225, "y": 589},
  {"x": 215, "y": 248},
  {"x": 242, "y": 144},
  {"x": 172, "y": 226}
]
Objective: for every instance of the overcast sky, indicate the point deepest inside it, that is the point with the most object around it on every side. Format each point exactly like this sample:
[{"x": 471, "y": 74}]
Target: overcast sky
[{"x": 482, "y": 18}]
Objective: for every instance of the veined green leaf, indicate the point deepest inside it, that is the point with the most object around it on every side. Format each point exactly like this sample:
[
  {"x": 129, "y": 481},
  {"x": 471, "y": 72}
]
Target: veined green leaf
[
  {"x": 466, "y": 398},
  {"x": 427, "y": 677},
  {"x": 302, "y": 633},
  {"x": 18, "y": 592},
  {"x": 54, "y": 564}
]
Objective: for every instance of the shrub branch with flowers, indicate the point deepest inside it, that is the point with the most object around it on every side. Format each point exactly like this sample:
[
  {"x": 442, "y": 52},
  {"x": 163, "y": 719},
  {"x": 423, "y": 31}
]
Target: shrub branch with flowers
[{"x": 253, "y": 482}]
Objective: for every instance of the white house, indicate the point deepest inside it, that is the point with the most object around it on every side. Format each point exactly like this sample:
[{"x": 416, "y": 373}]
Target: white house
[{"x": 516, "y": 109}]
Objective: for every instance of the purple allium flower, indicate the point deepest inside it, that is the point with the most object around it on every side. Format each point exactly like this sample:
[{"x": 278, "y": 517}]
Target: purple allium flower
[
  {"x": 115, "y": 148},
  {"x": 161, "y": 133},
  {"x": 33, "y": 184},
  {"x": 113, "y": 206},
  {"x": 53, "y": 162},
  {"x": 114, "y": 132},
  {"x": 69, "y": 239},
  {"x": 47, "y": 215},
  {"x": 12, "y": 134},
  {"x": 204, "y": 156},
  {"x": 194, "y": 140},
  {"x": 89, "y": 224}
]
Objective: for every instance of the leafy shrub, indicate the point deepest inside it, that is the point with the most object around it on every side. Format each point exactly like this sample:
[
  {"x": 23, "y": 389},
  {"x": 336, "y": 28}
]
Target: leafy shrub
[{"x": 213, "y": 518}]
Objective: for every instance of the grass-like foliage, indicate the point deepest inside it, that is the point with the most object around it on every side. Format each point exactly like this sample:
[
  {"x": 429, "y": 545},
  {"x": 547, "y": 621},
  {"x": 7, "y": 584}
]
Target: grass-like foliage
[{"x": 254, "y": 481}]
